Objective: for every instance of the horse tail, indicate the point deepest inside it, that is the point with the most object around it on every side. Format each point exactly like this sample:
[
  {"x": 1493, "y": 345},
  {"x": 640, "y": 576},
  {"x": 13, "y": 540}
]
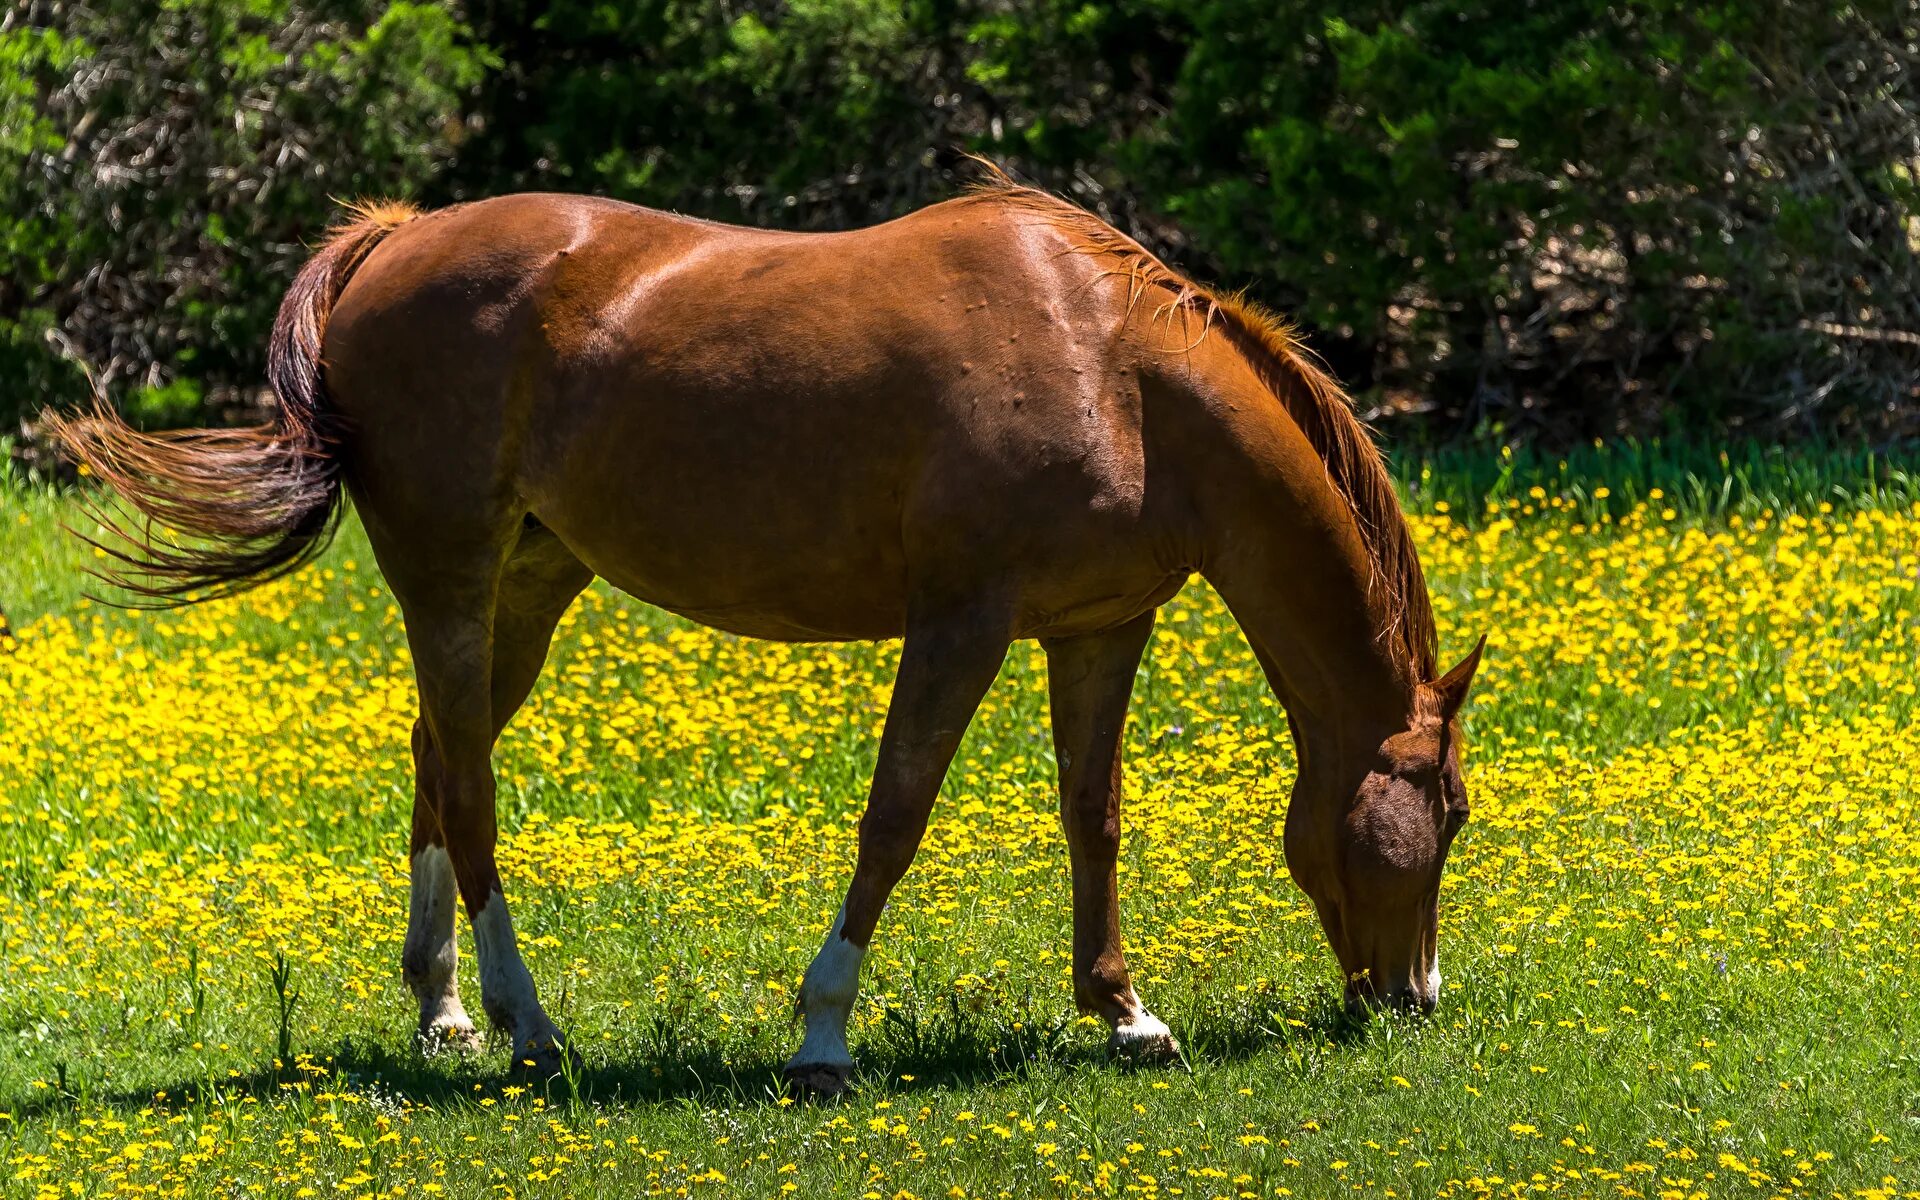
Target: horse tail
[{"x": 248, "y": 505}]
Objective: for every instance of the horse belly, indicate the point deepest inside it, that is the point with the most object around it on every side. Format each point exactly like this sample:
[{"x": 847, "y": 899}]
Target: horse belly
[
  {"x": 810, "y": 603},
  {"x": 748, "y": 531},
  {"x": 809, "y": 545}
]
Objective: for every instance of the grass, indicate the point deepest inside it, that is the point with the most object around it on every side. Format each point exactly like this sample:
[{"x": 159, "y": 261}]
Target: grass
[
  {"x": 1679, "y": 933},
  {"x": 1746, "y": 478}
]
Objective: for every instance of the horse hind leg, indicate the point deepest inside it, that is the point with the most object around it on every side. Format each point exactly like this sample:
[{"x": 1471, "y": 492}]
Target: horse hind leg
[
  {"x": 541, "y": 580},
  {"x": 430, "y": 957},
  {"x": 478, "y": 648}
]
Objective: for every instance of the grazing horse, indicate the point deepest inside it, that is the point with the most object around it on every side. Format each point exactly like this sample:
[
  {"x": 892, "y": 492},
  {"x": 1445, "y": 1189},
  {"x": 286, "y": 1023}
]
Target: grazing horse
[{"x": 995, "y": 418}]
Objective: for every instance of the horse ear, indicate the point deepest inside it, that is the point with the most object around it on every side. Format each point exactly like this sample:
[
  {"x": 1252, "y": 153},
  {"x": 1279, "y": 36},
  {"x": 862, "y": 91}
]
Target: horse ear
[{"x": 1452, "y": 688}]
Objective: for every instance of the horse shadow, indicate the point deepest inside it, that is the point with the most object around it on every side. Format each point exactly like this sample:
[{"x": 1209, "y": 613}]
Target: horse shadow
[{"x": 902, "y": 1055}]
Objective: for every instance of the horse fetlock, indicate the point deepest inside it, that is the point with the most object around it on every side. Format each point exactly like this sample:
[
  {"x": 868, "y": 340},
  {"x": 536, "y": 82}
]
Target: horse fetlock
[
  {"x": 444, "y": 1023},
  {"x": 431, "y": 969},
  {"x": 1109, "y": 997},
  {"x": 823, "y": 1065},
  {"x": 832, "y": 981},
  {"x": 506, "y": 986},
  {"x": 430, "y": 956},
  {"x": 822, "y": 1068},
  {"x": 1141, "y": 1036},
  {"x": 427, "y": 971},
  {"x": 830, "y": 987},
  {"x": 502, "y": 1018},
  {"x": 826, "y": 1011},
  {"x": 825, "y": 1040}
]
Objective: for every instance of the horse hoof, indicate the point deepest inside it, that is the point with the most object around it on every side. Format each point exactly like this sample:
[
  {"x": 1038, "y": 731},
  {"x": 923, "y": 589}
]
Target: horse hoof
[
  {"x": 545, "y": 1056},
  {"x": 1145, "y": 1039},
  {"x": 818, "y": 1081},
  {"x": 450, "y": 1037}
]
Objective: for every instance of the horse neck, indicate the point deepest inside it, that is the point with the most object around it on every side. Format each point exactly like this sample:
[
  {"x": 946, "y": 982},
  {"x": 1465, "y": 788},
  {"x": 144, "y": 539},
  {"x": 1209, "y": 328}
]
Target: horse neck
[
  {"x": 1284, "y": 550},
  {"x": 1320, "y": 641}
]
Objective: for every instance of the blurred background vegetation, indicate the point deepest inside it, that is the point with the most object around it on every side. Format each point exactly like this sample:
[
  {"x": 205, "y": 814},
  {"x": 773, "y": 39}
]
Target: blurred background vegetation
[{"x": 1502, "y": 221}]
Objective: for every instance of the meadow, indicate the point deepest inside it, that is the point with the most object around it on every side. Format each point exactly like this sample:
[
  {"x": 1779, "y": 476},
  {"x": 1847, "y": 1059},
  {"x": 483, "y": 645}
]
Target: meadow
[{"x": 1679, "y": 933}]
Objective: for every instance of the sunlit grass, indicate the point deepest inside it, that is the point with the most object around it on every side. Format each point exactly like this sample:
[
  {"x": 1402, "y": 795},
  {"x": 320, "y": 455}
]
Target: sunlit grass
[{"x": 1679, "y": 935}]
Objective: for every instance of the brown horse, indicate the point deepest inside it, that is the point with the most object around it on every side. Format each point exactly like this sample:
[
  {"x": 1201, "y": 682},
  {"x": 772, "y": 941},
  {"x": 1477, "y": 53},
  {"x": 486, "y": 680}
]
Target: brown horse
[{"x": 995, "y": 418}]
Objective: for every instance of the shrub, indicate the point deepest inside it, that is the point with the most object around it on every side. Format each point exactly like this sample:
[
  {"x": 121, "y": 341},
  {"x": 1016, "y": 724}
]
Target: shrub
[
  {"x": 1544, "y": 220},
  {"x": 1557, "y": 218},
  {"x": 177, "y": 158}
]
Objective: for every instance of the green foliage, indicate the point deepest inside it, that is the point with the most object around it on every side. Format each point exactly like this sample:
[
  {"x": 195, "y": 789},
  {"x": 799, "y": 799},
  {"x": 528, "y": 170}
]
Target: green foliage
[
  {"x": 817, "y": 113},
  {"x": 180, "y": 156},
  {"x": 1540, "y": 221},
  {"x": 1569, "y": 216},
  {"x": 167, "y": 406}
]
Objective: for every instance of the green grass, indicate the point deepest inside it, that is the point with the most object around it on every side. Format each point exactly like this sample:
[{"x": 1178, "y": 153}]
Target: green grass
[
  {"x": 42, "y": 570},
  {"x": 1746, "y": 477},
  {"x": 1679, "y": 939}
]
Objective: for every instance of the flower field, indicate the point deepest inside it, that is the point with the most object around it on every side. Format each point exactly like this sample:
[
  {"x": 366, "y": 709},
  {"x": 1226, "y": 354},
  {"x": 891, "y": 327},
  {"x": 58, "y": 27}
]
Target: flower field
[{"x": 1679, "y": 935}]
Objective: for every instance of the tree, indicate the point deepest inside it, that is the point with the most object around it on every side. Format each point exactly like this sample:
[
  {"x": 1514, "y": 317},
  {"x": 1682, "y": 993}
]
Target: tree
[
  {"x": 178, "y": 157},
  {"x": 1569, "y": 217}
]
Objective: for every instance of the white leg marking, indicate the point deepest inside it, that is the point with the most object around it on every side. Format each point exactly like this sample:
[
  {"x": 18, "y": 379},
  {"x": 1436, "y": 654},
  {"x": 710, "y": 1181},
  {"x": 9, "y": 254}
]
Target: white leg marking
[
  {"x": 430, "y": 956},
  {"x": 826, "y": 1002},
  {"x": 506, "y": 986},
  {"x": 1433, "y": 977},
  {"x": 1140, "y": 1034}
]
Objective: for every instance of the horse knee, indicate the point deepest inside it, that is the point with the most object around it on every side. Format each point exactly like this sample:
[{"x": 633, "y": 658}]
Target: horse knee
[
  {"x": 1092, "y": 822},
  {"x": 888, "y": 849}
]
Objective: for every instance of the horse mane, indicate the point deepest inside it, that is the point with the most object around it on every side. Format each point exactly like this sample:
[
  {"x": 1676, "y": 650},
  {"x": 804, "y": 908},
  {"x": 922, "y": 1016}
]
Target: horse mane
[{"x": 1315, "y": 402}]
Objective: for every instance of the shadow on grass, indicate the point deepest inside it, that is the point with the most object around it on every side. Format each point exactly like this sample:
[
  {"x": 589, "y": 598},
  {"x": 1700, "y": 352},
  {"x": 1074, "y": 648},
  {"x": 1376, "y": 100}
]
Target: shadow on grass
[{"x": 903, "y": 1054}]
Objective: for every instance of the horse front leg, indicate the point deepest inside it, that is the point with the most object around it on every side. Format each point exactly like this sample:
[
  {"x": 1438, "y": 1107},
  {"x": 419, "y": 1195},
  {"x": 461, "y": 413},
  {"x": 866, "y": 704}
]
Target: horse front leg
[
  {"x": 1090, "y": 682},
  {"x": 945, "y": 668}
]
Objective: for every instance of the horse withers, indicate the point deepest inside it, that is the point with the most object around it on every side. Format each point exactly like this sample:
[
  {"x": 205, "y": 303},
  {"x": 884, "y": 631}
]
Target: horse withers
[{"x": 995, "y": 418}]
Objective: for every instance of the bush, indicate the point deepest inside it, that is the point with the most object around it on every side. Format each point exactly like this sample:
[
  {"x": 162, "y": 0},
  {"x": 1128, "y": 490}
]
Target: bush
[
  {"x": 178, "y": 158},
  {"x": 1553, "y": 220},
  {"x": 1544, "y": 220},
  {"x": 1560, "y": 218}
]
